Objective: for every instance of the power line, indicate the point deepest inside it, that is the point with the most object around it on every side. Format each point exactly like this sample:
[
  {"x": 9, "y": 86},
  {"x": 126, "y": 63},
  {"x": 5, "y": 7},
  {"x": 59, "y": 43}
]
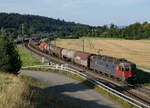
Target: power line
[
  {"x": 93, "y": 48},
  {"x": 22, "y": 29},
  {"x": 22, "y": 33}
]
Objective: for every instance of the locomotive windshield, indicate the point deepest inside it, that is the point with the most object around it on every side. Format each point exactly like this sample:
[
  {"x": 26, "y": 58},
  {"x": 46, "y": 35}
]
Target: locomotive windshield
[{"x": 125, "y": 69}]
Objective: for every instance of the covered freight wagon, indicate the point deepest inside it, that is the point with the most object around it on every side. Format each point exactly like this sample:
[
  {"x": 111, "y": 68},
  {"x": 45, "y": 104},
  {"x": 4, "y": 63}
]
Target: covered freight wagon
[
  {"x": 68, "y": 54},
  {"x": 83, "y": 58}
]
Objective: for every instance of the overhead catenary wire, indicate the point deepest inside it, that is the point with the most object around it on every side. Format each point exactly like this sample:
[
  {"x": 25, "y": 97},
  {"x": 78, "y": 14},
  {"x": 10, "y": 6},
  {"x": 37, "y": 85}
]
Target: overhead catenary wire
[{"x": 93, "y": 48}]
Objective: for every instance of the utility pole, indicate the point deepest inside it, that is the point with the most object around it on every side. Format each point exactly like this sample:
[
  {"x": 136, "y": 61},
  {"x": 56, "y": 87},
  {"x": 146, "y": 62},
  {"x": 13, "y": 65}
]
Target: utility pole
[
  {"x": 22, "y": 28},
  {"x": 55, "y": 40},
  {"x": 83, "y": 45},
  {"x": 22, "y": 33},
  {"x": 49, "y": 51}
]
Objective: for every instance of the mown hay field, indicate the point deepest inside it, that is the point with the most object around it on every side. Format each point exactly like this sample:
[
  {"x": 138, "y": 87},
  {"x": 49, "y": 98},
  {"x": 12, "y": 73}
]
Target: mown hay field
[{"x": 137, "y": 51}]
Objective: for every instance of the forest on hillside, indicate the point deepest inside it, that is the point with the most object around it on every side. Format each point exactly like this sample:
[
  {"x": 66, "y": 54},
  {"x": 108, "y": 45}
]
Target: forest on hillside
[{"x": 34, "y": 24}]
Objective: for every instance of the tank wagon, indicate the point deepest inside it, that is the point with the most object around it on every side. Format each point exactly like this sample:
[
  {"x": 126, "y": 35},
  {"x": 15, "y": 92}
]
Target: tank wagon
[
  {"x": 54, "y": 50},
  {"x": 68, "y": 54},
  {"x": 114, "y": 67}
]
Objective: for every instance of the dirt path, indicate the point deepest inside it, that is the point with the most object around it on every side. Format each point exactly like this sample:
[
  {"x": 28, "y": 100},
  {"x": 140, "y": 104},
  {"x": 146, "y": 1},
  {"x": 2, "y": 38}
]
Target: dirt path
[{"x": 72, "y": 91}]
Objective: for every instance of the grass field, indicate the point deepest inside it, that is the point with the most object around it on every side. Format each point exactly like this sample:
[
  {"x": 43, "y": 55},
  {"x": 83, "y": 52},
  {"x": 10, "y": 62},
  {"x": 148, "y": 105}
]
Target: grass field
[
  {"x": 18, "y": 92},
  {"x": 26, "y": 58},
  {"x": 26, "y": 92},
  {"x": 11, "y": 90},
  {"x": 137, "y": 51}
]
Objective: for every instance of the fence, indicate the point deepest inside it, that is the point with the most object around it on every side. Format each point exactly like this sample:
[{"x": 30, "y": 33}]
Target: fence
[{"x": 99, "y": 84}]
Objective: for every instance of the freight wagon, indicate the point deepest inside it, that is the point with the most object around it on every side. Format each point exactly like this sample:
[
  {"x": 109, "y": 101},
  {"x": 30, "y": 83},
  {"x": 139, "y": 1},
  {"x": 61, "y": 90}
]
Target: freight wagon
[
  {"x": 68, "y": 54},
  {"x": 83, "y": 58},
  {"x": 43, "y": 47},
  {"x": 54, "y": 50},
  {"x": 34, "y": 44}
]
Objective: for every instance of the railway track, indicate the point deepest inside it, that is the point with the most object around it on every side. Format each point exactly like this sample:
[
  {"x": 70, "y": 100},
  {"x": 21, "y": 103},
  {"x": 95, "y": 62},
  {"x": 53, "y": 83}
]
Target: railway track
[{"x": 136, "y": 91}]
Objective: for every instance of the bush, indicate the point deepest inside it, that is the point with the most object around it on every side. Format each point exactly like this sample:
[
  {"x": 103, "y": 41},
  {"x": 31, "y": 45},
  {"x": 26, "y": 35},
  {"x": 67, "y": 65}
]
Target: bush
[{"x": 9, "y": 57}]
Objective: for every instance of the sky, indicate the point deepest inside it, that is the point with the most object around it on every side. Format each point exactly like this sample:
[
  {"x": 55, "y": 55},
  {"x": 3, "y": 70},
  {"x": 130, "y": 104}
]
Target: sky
[{"x": 91, "y": 12}]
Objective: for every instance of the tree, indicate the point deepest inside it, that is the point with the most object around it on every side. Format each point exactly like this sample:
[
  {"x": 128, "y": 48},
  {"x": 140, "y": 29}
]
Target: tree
[
  {"x": 9, "y": 57},
  {"x": 146, "y": 28}
]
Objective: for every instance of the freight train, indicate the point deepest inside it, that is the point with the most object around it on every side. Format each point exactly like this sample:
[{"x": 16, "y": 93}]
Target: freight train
[{"x": 111, "y": 66}]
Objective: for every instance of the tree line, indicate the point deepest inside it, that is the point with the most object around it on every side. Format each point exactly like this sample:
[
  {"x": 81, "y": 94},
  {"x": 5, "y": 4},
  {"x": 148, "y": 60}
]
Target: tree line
[{"x": 34, "y": 24}]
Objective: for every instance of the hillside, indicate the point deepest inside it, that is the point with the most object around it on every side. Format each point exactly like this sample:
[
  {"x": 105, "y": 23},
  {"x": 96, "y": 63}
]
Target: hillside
[{"x": 34, "y": 24}]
